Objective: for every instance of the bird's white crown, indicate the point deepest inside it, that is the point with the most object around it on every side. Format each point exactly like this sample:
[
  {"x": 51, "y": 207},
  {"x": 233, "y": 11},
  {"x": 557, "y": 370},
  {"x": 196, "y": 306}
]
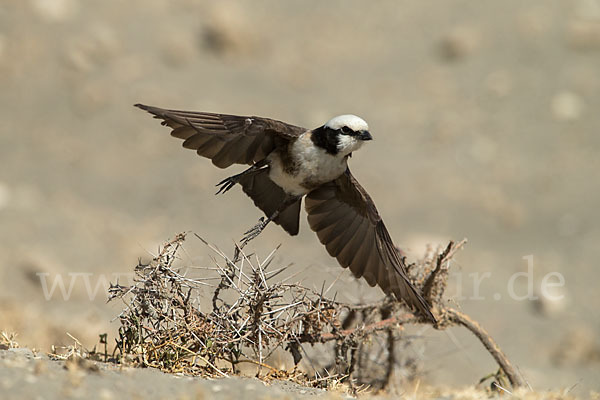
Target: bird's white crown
[{"x": 351, "y": 121}]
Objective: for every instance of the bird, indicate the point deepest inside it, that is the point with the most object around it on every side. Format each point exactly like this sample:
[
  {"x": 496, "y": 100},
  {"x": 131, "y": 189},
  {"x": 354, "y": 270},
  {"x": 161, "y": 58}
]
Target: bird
[{"x": 288, "y": 163}]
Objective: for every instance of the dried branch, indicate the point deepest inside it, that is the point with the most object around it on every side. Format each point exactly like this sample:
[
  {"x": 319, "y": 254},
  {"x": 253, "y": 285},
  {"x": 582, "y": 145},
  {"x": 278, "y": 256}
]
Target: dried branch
[
  {"x": 252, "y": 314},
  {"x": 457, "y": 317}
]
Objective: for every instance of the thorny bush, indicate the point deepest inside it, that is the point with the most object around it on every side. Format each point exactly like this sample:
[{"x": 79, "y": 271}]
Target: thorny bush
[{"x": 254, "y": 312}]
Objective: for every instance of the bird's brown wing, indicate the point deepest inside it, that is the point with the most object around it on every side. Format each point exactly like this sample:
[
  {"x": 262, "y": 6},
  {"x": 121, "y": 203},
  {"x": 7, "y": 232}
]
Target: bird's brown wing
[
  {"x": 269, "y": 197},
  {"x": 346, "y": 221},
  {"x": 226, "y": 139}
]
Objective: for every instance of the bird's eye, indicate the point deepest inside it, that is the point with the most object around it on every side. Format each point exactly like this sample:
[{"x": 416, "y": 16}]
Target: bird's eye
[{"x": 346, "y": 130}]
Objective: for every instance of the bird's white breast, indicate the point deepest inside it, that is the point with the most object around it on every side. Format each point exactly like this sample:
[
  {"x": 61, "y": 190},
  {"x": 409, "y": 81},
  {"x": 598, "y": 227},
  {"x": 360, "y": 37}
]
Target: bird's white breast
[{"x": 311, "y": 166}]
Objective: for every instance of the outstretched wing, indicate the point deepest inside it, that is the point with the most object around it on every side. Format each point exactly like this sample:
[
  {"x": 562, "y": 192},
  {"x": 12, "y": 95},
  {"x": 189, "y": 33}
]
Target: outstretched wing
[
  {"x": 226, "y": 139},
  {"x": 346, "y": 221}
]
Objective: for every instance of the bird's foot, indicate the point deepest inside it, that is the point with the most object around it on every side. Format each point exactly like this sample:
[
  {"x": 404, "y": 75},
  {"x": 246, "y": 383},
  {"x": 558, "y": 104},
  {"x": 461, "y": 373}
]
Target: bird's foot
[
  {"x": 228, "y": 183},
  {"x": 254, "y": 231}
]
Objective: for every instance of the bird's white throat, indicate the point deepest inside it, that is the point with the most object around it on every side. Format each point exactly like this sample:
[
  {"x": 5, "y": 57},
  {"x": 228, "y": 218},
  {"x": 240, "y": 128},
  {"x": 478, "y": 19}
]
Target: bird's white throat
[
  {"x": 311, "y": 166},
  {"x": 347, "y": 144}
]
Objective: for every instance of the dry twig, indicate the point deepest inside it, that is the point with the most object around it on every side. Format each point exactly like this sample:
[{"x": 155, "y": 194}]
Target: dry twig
[{"x": 251, "y": 315}]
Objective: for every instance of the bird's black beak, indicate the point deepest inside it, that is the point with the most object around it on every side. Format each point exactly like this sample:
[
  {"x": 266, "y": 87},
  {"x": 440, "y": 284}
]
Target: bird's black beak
[{"x": 364, "y": 135}]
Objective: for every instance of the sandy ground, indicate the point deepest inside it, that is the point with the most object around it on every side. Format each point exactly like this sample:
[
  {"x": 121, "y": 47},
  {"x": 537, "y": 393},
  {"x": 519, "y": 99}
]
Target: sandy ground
[
  {"x": 28, "y": 375},
  {"x": 485, "y": 118},
  {"x": 25, "y": 375}
]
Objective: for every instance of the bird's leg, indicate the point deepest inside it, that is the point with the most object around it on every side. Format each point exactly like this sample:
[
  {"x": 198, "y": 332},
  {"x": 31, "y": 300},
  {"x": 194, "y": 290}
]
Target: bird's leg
[
  {"x": 258, "y": 228},
  {"x": 230, "y": 182},
  {"x": 262, "y": 222}
]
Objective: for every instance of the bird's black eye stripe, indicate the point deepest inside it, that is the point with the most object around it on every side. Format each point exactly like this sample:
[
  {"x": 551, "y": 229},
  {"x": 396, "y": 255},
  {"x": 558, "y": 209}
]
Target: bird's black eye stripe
[{"x": 346, "y": 130}]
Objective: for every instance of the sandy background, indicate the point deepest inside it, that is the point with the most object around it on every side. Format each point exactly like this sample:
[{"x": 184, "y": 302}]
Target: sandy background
[{"x": 486, "y": 126}]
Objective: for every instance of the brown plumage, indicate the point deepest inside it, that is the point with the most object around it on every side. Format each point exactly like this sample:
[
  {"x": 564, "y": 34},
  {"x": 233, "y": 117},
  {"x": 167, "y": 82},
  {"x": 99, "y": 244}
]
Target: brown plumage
[
  {"x": 347, "y": 222},
  {"x": 340, "y": 211},
  {"x": 226, "y": 139}
]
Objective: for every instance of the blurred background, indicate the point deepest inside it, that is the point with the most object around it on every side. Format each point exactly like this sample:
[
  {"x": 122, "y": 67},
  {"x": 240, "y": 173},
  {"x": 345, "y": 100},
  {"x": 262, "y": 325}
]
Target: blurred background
[{"x": 486, "y": 124}]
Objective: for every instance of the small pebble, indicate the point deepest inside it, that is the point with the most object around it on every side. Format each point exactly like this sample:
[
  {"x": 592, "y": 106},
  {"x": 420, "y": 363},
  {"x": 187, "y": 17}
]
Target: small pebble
[
  {"x": 552, "y": 301},
  {"x": 459, "y": 43},
  {"x": 54, "y": 10},
  {"x": 228, "y": 31},
  {"x": 567, "y": 106},
  {"x": 583, "y": 35}
]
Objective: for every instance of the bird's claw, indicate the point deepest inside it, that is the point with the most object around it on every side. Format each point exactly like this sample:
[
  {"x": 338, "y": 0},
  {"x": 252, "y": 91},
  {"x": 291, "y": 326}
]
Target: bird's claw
[
  {"x": 226, "y": 184},
  {"x": 254, "y": 231}
]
